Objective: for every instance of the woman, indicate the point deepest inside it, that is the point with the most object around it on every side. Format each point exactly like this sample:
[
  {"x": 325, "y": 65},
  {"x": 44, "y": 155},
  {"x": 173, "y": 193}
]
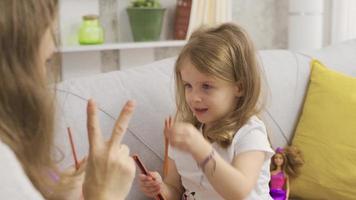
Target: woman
[{"x": 28, "y": 170}]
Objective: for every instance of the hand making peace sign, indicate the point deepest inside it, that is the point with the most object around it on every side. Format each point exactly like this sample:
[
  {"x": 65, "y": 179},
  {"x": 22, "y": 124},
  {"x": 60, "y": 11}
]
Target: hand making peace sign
[{"x": 110, "y": 169}]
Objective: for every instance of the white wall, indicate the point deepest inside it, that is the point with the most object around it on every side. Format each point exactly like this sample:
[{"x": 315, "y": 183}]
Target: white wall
[{"x": 265, "y": 21}]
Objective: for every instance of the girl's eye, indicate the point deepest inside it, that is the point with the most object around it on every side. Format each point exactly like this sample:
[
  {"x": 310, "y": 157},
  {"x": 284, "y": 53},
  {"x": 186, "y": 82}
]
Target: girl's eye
[
  {"x": 187, "y": 85},
  {"x": 206, "y": 86}
]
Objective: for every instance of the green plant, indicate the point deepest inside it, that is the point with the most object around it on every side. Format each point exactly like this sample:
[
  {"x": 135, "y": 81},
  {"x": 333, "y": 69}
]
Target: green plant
[{"x": 145, "y": 4}]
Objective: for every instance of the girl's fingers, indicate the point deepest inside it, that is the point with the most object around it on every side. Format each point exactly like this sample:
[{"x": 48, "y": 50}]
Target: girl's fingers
[
  {"x": 151, "y": 190},
  {"x": 150, "y": 187},
  {"x": 149, "y": 183},
  {"x": 166, "y": 128},
  {"x": 94, "y": 133},
  {"x": 170, "y": 122},
  {"x": 155, "y": 175},
  {"x": 144, "y": 178}
]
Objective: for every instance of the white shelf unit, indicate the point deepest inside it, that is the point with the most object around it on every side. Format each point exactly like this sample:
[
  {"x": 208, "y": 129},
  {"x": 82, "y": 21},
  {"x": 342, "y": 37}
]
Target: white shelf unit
[
  {"x": 83, "y": 60},
  {"x": 79, "y": 61},
  {"x": 123, "y": 46}
]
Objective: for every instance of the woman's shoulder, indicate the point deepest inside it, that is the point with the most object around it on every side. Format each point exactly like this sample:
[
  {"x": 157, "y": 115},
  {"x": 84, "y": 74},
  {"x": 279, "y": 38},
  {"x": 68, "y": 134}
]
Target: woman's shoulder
[
  {"x": 14, "y": 182},
  {"x": 6, "y": 153}
]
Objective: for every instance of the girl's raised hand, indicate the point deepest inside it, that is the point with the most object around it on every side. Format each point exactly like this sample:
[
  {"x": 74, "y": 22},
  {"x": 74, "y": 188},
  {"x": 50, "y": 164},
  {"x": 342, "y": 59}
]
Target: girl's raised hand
[
  {"x": 183, "y": 136},
  {"x": 110, "y": 170},
  {"x": 151, "y": 185}
]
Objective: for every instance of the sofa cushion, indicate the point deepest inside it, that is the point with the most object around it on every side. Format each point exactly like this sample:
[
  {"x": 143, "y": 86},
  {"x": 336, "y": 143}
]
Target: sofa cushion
[{"x": 326, "y": 136}]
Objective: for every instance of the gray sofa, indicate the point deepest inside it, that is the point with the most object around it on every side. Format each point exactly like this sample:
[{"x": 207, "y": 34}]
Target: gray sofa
[{"x": 152, "y": 86}]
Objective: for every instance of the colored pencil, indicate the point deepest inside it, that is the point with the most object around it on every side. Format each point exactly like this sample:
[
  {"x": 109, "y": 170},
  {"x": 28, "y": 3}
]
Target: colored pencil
[{"x": 74, "y": 153}]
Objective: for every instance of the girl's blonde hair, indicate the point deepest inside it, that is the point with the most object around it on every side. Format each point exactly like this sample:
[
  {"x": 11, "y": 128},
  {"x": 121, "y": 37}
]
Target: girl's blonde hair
[
  {"x": 225, "y": 52},
  {"x": 26, "y": 105}
]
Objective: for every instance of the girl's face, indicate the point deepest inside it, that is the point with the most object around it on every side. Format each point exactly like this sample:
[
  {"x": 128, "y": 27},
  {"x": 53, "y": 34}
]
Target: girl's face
[
  {"x": 278, "y": 160},
  {"x": 208, "y": 98}
]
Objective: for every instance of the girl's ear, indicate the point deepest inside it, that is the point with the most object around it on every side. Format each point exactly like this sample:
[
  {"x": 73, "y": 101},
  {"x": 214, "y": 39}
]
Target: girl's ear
[{"x": 238, "y": 90}]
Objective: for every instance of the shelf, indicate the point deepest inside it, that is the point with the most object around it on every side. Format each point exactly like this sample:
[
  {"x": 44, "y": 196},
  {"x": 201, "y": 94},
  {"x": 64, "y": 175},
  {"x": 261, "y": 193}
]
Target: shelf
[{"x": 120, "y": 46}]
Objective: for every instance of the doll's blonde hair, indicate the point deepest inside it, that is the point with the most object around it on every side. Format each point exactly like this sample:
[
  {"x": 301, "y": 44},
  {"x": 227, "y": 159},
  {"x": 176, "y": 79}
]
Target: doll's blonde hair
[{"x": 225, "y": 52}]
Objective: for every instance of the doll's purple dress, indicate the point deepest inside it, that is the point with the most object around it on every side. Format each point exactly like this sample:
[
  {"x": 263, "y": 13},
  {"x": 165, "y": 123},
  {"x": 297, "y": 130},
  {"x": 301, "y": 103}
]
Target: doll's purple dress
[{"x": 277, "y": 191}]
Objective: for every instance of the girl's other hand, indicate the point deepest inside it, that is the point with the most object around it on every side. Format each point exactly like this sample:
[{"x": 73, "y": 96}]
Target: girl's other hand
[
  {"x": 110, "y": 170},
  {"x": 151, "y": 185}
]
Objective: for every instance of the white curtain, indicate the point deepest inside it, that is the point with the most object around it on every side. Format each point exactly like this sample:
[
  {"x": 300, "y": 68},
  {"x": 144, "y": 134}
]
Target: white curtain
[
  {"x": 209, "y": 13},
  {"x": 305, "y": 24},
  {"x": 343, "y": 25}
]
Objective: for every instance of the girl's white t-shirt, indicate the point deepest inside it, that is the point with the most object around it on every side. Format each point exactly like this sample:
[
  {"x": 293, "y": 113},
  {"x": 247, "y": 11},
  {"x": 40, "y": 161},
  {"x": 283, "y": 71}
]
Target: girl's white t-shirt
[
  {"x": 250, "y": 137},
  {"x": 14, "y": 183}
]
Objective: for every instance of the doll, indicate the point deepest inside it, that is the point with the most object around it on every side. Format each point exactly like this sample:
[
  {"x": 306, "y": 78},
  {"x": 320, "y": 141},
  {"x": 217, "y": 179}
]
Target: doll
[{"x": 285, "y": 165}]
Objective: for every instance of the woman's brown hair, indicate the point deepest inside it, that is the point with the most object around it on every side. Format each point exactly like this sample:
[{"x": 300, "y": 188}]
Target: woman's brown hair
[
  {"x": 26, "y": 105},
  {"x": 225, "y": 52}
]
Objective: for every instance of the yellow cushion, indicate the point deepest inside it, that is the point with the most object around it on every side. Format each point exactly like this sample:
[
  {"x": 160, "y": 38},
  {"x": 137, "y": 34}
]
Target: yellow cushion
[{"x": 326, "y": 134}]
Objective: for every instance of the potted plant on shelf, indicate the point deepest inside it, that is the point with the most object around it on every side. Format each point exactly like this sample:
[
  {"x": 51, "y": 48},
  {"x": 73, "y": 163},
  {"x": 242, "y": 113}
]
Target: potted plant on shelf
[{"x": 146, "y": 18}]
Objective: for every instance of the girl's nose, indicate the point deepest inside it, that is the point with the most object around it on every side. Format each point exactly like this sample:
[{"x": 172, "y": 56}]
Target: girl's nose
[{"x": 195, "y": 96}]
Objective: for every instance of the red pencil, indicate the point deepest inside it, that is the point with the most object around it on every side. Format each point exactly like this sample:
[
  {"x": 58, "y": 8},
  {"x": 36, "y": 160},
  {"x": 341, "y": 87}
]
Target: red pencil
[
  {"x": 73, "y": 148},
  {"x": 74, "y": 153}
]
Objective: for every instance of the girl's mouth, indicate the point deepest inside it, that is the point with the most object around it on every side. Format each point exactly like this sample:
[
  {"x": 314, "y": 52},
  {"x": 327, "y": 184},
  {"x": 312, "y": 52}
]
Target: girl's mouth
[{"x": 200, "y": 111}]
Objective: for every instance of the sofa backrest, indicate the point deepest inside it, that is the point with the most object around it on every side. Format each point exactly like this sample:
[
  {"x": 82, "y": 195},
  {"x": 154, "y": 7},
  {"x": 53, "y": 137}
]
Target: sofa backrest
[{"x": 152, "y": 86}]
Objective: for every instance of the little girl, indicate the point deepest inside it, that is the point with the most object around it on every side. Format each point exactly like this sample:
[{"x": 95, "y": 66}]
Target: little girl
[
  {"x": 220, "y": 147},
  {"x": 284, "y": 166}
]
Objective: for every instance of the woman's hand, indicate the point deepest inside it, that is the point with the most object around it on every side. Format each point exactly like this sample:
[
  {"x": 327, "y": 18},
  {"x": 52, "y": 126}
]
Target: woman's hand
[
  {"x": 151, "y": 185},
  {"x": 110, "y": 169},
  {"x": 70, "y": 183}
]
